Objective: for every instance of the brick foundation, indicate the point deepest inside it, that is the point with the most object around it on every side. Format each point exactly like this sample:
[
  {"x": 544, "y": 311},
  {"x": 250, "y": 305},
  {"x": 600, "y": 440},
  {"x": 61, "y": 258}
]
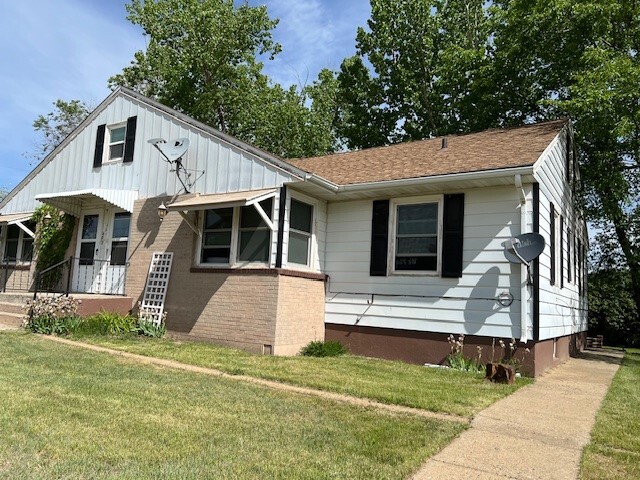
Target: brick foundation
[
  {"x": 428, "y": 347},
  {"x": 267, "y": 310}
]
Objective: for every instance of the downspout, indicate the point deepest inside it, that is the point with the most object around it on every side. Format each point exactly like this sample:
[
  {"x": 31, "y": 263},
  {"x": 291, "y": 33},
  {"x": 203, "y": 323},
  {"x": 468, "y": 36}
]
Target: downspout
[{"x": 524, "y": 273}]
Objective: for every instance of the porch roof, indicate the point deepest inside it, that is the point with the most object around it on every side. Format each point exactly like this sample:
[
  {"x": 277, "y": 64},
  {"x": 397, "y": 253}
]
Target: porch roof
[
  {"x": 13, "y": 218},
  {"x": 220, "y": 200},
  {"x": 71, "y": 202}
]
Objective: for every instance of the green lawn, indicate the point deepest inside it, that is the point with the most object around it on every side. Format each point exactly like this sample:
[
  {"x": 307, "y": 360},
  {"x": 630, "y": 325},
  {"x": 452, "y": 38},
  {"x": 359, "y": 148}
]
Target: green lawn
[
  {"x": 437, "y": 390},
  {"x": 71, "y": 413},
  {"x": 614, "y": 451}
]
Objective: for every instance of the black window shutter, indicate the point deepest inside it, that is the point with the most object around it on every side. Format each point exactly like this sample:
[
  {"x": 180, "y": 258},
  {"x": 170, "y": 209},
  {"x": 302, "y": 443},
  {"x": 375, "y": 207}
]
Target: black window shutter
[
  {"x": 379, "y": 238},
  {"x": 552, "y": 246},
  {"x": 561, "y": 259},
  {"x": 97, "y": 155},
  {"x": 129, "y": 140},
  {"x": 452, "y": 235},
  {"x": 569, "y": 238}
]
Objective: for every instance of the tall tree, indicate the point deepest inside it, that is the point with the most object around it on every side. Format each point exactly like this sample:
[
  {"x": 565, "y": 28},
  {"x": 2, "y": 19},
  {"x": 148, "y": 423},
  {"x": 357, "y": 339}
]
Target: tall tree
[
  {"x": 426, "y": 58},
  {"x": 55, "y": 126},
  {"x": 202, "y": 59}
]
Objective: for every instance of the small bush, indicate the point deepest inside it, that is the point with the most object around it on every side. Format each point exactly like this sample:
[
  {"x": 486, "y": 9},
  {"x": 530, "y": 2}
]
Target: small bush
[
  {"x": 319, "y": 348},
  {"x": 151, "y": 329},
  {"x": 51, "y": 315}
]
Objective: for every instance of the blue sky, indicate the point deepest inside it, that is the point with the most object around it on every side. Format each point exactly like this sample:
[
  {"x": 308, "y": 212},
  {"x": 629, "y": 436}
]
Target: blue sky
[{"x": 68, "y": 49}]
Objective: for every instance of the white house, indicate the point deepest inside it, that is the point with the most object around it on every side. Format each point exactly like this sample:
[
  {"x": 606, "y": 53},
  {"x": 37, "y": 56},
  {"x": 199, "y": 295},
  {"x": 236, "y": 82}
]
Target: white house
[{"x": 388, "y": 250}]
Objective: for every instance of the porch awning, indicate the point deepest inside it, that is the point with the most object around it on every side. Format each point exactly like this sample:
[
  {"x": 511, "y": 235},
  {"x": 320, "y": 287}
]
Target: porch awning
[
  {"x": 221, "y": 200},
  {"x": 17, "y": 219},
  {"x": 13, "y": 218},
  {"x": 71, "y": 202}
]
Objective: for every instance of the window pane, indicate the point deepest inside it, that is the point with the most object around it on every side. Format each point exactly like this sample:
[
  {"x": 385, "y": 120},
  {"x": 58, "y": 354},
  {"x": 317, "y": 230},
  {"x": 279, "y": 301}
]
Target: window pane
[
  {"x": 250, "y": 218},
  {"x": 13, "y": 232},
  {"x": 11, "y": 250},
  {"x": 87, "y": 250},
  {"x": 422, "y": 218},
  {"x": 27, "y": 249},
  {"x": 121, "y": 224},
  {"x": 215, "y": 255},
  {"x": 301, "y": 215},
  {"x": 417, "y": 245},
  {"x": 90, "y": 227},
  {"x": 254, "y": 245},
  {"x": 217, "y": 239},
  {"x": 298, "y": 248},
  {"x": 117, "y": 135},
  {"x": 416, "y": 263},
  {"x": 218, "y": 218},
  {"x": 118, "y": 253},
  {"x": 116, "y": 151}
]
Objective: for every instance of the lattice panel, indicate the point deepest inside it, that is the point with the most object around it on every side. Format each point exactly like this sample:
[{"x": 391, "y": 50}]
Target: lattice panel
[{"x": 155, "y": 292}]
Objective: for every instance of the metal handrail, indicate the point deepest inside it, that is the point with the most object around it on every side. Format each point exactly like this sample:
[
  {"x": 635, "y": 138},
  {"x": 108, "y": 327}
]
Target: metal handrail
[{"x": 38, "y": 276}]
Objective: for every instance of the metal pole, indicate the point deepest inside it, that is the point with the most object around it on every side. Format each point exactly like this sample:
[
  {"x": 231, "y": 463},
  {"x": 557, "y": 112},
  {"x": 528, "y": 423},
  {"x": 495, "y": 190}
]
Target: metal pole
[
  {"x": 6, "y": 274},
  {"x": 36, "y": 285},
  {"x": 69, "y": 276}
]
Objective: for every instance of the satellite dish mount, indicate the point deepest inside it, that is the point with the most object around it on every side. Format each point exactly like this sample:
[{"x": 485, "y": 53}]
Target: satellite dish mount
[
  {"x": 524, "y": 249},
  {"x": 173, "y": 152}
]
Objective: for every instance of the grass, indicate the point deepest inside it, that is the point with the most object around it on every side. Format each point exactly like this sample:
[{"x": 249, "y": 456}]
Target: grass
[
  {"x": 71, "y": 413},
  {"x": 437, "y": 390},
  {"x": 614, "y": 450}
]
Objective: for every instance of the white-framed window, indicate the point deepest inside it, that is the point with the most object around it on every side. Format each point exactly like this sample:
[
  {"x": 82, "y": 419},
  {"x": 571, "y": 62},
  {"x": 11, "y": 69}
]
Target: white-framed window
[
  {"x": 18, "y": 244},
  {"x": 115, "y": 142},
  {"x": 300, "y": 232},
  {"x": 416, "y": 238},
  {"x": 120, "y": 238},
  {"x": 236, "y": 235}
]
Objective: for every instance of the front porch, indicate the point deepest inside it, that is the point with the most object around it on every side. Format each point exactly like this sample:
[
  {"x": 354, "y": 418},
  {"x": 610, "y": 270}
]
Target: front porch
[{"x": 11, "y": 303}]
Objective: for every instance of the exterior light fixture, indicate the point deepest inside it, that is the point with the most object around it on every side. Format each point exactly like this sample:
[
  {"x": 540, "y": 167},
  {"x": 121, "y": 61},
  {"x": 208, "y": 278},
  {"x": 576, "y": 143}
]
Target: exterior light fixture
[
  {"x": 162, "y": 211},
  {"x": 46, "y": 219}
]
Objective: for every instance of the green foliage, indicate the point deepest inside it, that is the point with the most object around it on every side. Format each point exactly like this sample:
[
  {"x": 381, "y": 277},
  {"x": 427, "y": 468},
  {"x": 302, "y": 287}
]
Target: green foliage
[
  {"x": 319, "y": 348},
  {"x": 151, "y": 329},
  {"x": 427, "y": 59},
  {"x": 55, "y": 126},
  {"x": 612, "y": 311},
  {"x": 202, "y": 59},
  {"x": 108, "y": 323},
  {"x": 52, "y": 315},
  {"x": 458, "y": 361},
  {"x": 51, "y": 242}
]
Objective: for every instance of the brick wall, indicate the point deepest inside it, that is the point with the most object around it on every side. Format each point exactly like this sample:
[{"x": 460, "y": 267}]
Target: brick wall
[
  {"x": 242, "y": 308},
  {"x": 300, "y": 314}
]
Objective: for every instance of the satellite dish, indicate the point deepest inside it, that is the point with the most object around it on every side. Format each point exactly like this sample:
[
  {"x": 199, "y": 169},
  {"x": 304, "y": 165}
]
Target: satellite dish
[
  {"x": 155, "y": 141},
  {"x": 524, "y": 248},
  {"x": 175, "y": 149}
]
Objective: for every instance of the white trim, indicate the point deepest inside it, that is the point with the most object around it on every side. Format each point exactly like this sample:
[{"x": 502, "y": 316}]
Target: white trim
[
  {"x": 106, "y": 150},
  {"x": 393, "y": 225},
  {"x": 313, "y": 241}
]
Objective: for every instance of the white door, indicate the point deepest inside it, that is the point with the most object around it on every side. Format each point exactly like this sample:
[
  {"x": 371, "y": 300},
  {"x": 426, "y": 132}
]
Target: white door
[
  {"x": 101, "y": 253},
  {"x": 87, "y": 264}
]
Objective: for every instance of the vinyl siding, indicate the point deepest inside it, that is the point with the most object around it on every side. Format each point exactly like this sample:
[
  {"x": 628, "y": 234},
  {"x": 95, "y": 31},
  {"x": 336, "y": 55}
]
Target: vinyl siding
[
  {"x": 562, "y": 310},
  {"x": 428, "y": 302},
  {"x": 226, "y": 167}
]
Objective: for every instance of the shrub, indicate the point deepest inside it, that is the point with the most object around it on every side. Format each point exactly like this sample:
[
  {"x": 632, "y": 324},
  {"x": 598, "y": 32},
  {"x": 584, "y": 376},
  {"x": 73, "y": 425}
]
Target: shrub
[
  {"x": 458, "y": 361},
  {"x": 151, "y": 329},
  {"x": 108, "y": 323},
  {"x": 51, "y": 315},
  {"x": 319, "y": 348}
]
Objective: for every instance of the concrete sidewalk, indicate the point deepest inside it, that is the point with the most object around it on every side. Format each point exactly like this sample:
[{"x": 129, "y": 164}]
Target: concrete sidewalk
[{"x": 536, "y": 433}]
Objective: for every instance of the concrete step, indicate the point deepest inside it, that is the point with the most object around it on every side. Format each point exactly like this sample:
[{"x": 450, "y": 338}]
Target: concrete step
[
  {"x": 11, "y": 307},
  {"x": 12, "y": 319}
]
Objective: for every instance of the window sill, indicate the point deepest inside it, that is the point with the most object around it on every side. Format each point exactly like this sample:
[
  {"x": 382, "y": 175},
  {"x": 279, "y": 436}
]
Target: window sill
[
  {"x": 14, "y": 266},
  {"x": 261, "y": 271}
]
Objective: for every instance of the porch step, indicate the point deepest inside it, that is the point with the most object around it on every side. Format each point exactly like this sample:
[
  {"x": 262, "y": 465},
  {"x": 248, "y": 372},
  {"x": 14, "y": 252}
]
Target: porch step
[
  {"x": 11, "y": 307},
  {"x": 12, "y": 319}
]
